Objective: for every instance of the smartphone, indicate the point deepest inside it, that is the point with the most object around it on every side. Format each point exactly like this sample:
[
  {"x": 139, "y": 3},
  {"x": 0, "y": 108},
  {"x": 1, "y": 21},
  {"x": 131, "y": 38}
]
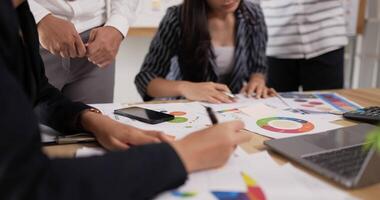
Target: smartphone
[{"x": 144, "y": 115}]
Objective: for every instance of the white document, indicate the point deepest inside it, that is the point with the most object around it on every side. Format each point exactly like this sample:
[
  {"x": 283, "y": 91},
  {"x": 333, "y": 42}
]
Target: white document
[
  {"x": 189, "y": 117},
  {"x": 243, "y": 101},
  {"x": 257, "y": 174},
  {"x": 275, "y": 123}
]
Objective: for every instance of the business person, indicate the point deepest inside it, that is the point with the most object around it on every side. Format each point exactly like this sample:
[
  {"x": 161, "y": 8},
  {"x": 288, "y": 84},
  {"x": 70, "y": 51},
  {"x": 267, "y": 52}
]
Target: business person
[
  {"x": 26, "y": 173},
  {"x": 306, "y": 44},
  {"x": 79, "y": 42},
  {"x": 219, "y": 45}
]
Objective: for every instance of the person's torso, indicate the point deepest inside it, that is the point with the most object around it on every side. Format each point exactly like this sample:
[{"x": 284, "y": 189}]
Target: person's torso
[
  {"x": 243, "y": 56},
  {"x": 304, "y": 28},
  {"x": 84, "y": 14}
]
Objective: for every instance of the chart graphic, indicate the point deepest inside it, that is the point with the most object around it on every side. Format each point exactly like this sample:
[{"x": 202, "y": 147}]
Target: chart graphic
[
  {"x": 299, "y": 96},
  {"x": 178, "y": 113},
  {"x": 233, "y": 110},
  {"x": 285, "y": 125},
  {"x": 254, "y": 192},
  {"x": 183, "y": 194},
  {"x": 338, "y": 102},
  {"x": 177, "y": 117}
]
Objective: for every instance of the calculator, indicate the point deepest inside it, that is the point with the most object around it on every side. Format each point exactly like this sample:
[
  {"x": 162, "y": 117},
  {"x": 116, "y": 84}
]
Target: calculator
[{"x": 369, "y": 115}]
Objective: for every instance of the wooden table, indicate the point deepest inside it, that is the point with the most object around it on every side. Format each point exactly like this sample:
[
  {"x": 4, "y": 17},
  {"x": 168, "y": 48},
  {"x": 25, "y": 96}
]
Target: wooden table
[
  {"x": 364, "y": 97},
  {"x": 142, "y": 32}
]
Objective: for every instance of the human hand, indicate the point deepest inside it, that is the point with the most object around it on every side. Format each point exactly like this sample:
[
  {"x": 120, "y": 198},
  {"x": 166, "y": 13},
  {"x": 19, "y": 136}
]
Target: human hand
[
  {"x": 103, "y": 45},
  {"x": 257, "y": 85},
  {"x": 117, "y": 136},
  {"x": 210, "y": 148},
  {"x": 205, "y": 91},
  {"x": 60, "y": 37}
]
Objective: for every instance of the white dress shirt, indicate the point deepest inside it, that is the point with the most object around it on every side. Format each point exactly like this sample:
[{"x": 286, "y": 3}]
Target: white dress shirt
[
  {"x": 300, "y": 29},
  {"x": 88, "y": 14}
]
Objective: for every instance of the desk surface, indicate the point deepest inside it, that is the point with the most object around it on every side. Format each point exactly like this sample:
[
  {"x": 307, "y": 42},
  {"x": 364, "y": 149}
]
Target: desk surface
[{"x": 364, "y": 97}]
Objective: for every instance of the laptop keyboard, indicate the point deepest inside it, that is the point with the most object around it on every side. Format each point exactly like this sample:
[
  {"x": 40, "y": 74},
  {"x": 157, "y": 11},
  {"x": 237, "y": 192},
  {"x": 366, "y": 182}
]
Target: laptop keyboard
[{"x": 346, "y": 162}]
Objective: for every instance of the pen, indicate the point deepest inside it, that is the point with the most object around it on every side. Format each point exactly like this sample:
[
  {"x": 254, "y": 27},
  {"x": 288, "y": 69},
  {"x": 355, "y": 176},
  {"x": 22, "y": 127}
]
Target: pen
[
  {"x": 71, "y": 139},
  {"x": 284, "y": 102},
  {"x": 211, "y": 115}
]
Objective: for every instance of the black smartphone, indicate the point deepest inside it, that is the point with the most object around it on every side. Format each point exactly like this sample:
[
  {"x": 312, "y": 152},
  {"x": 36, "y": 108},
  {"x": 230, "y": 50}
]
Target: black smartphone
[{"x": 144, "y": 115}]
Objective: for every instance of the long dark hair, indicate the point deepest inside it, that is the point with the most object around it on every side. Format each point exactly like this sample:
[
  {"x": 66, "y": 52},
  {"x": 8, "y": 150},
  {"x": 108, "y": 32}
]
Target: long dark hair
[{"x": 195, "y": 48}]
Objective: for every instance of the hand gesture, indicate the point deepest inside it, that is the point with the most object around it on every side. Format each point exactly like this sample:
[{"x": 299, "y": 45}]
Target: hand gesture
[
  {"x": 212, "y": 147},
  {"x": 103, "y": 45},
  {"x": 206, "y": 91},
  {"x": 117, "y": 136},
  {"x": 257, "y": 85},
  {"x": 60, "y": 37}
]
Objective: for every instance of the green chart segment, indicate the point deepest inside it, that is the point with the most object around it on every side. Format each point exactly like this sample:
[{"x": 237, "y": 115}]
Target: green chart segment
[{"x": 178, "y": 120}]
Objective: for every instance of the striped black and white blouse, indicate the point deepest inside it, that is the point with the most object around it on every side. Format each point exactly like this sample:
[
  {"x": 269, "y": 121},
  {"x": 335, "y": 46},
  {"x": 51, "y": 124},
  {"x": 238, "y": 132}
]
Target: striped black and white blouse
[
  {"x": 249, "y": 55},
  {"x": 304, "y": 28}
]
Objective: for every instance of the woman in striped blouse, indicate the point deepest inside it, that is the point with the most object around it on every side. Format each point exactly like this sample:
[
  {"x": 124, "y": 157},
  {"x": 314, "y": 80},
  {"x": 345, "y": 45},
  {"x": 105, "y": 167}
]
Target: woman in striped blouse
[
  {"x": 306, "y": 43},
  {"x": 208, "y": 48}
]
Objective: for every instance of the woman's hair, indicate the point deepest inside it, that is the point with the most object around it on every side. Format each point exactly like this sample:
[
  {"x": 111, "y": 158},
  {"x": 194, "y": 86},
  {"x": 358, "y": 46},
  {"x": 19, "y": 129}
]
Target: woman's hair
[{"x": 195, "y": 48}]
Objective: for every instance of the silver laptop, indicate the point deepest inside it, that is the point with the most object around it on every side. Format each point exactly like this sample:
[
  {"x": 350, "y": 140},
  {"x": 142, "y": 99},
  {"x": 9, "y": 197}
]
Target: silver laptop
[{"x": 338, "y": 155}]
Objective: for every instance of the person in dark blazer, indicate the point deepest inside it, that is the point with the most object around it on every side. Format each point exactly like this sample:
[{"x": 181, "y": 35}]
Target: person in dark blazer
[
  {"x": 141, "y": 172},
  {"x": 205, "y": 49}
]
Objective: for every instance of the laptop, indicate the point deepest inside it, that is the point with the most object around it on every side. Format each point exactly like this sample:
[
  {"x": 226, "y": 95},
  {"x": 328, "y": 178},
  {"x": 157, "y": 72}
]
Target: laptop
[{"x": 337, "y": 154}]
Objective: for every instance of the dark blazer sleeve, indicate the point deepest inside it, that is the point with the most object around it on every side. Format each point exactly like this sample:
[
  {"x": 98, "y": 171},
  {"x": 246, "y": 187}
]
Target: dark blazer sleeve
[
  {"x": 52, "y": 108},
  {"x": 162, "y": 49},
  {"x": 26, "y": 173}
]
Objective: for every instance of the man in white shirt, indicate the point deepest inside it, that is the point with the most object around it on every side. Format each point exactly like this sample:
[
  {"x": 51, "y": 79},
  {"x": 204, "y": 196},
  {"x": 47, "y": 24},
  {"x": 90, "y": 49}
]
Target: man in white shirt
[
  {"x": 306, "y": 44},
  {"x": 79, "y": 42}
]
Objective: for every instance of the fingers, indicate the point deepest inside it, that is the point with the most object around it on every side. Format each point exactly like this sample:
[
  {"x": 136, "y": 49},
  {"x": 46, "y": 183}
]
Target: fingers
[
  {"x": 265, "y": 92},
  {"x": 237, "y": 136},
  {"x": 272, "y": 92},
  {"x": 251, "y": 89},
  {"x": 259, "y": 91},
  {"x": 161, "y": 136},
  {"x": 213, "y": 100},
  {"x": 244, "y": 89},
  {"x": 236, "y": 126},
  {"x": 80, "y": 48},
  {"x": 72, "y": 50},
  {"x": 223, "y": 98},
  {"x": 92, "y": 36},
  {"x": 240, "y": 137},
  {"x": 115, "y": 144},
  {"x": 222, "y": 87},
  {"x": 139, "y": 138}
]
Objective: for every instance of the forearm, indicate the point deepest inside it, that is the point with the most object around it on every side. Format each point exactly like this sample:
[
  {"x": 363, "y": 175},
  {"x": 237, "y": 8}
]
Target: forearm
[
  {"x": 58, "y": 112},
  {"x": 160, "y": 87},
  {"x": 139, "y": 173}
]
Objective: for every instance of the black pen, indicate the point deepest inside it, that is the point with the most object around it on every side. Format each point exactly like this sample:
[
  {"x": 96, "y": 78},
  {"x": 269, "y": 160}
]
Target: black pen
[{"x": 211, "y": 115}]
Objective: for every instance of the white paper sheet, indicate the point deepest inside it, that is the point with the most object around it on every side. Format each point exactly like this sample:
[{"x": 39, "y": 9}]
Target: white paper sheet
[
  {"x": 189, "y": 117},
  {"x": 264, "y": 173},
  {"x": 243, "y": 101},
  {"x": 275, "y": 123}
]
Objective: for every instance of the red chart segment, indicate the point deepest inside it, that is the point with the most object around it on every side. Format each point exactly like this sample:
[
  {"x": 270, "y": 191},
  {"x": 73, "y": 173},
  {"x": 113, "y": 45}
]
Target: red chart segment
[{"x": 285, "y": 125}]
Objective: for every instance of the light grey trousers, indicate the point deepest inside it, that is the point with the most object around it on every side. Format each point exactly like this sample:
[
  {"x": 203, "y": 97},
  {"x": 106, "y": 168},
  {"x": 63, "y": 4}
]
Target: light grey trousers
[{"x": 79, "y": 79}]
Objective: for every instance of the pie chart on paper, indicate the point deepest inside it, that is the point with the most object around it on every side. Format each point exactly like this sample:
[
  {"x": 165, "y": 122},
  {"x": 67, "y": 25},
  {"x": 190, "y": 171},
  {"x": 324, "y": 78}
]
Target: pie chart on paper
[{"x": 286, "y": 125}]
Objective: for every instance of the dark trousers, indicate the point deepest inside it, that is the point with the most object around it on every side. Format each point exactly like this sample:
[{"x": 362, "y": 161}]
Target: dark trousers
[{"x": 319, "y": 73}]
